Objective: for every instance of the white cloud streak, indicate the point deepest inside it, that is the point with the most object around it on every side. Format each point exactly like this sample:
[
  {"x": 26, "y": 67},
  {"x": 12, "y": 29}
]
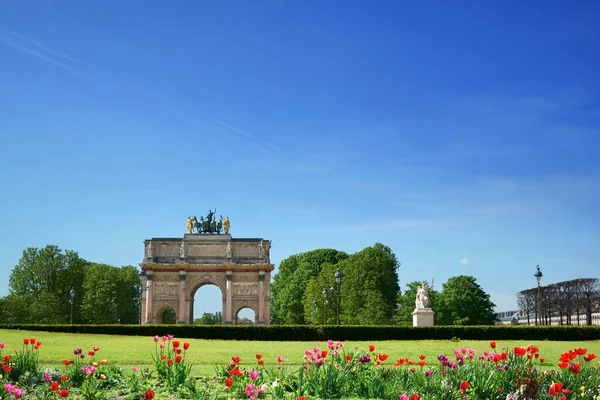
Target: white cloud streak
[
  {"x": 44, "y": 53},
  {"x": 236, "y": 131}
]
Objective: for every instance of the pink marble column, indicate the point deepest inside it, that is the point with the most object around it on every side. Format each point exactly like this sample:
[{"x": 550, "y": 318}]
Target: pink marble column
[
  {"x": 181, "y": 297},
  {"x": 261, "y": 297},
  {"x": 148, "y": 319},
  {"x": 228, "y": 295}
]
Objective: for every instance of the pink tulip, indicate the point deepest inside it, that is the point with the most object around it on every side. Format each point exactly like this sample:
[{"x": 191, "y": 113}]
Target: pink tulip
[
  {"x": 253, "y": 374},
  {"x": 279, "y": 359},
  {"x": 155, "y": 338},
  {"x": 8, "y": 387},
  {"x": 18, "y": 393}
]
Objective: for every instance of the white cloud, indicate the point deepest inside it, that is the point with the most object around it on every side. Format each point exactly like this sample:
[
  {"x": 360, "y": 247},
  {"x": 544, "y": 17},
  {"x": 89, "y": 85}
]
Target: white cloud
[{"x": 464, "y": 261}]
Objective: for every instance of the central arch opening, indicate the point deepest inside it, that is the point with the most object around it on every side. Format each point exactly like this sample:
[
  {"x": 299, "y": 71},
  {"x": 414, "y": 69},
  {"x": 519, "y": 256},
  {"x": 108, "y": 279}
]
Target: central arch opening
[{"x": 207, "y": 305}]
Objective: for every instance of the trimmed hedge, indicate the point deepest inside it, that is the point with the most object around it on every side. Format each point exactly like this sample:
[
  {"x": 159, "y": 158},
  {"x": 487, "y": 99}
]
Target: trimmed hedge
[{"x": 312, "y": 333}]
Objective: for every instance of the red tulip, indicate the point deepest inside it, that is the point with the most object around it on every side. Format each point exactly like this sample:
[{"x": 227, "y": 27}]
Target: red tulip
[
  {"x": 186, "y": 345},
  {"x": 493, "y": 345},
  {"x": 258, "y": 356},
  {"x": 371, "y": 348},
  {"x": 175, "y": 344},
  {"x": 178, "y": 359},
  {"x": 236, "y": 359},
  {"x": 26, "y": 341},
  {"x": 464, "y": 385},
  {"x": 149, "y": 394},
  {"x": 63, "y": 393},
  {"x": 54, "y": 386},
  {"x": 228, "y": 382}
]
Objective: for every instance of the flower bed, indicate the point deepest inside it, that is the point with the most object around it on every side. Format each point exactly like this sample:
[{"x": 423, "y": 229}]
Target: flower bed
[{"x": 326, "y": 373}]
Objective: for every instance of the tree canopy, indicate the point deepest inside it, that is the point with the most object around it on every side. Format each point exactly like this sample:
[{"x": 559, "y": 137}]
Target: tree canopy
[
  {"x": 366, "y": 293},
  {"x": 40, "y": 288},
  {"x": 209, "y": 319},
  {"x": 288, "y": 290},
  {"x": 370, "y": 288},
  {"x": 463, "y": 302}
]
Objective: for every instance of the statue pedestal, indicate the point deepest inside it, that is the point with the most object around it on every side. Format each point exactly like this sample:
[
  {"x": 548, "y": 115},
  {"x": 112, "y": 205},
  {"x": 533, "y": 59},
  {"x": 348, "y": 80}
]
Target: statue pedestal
[
  {"x": 423, "y": 317},
  {"x": 207, "y": 237}
]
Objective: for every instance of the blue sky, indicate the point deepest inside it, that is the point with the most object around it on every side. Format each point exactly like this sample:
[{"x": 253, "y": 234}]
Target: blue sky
[{"x": 464, "y": 135}]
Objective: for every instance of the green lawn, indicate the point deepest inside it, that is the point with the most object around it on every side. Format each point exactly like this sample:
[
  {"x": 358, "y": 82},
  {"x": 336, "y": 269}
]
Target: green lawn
[{"x": 206, "y": 354}]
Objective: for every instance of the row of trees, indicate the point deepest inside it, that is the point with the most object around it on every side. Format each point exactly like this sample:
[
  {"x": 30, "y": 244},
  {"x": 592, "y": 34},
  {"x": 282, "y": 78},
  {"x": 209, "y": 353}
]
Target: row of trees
[
  {"x": 51, "y": 286},
  {"x": 305, "y": 291},
  {"x": 564, "y": 303}
]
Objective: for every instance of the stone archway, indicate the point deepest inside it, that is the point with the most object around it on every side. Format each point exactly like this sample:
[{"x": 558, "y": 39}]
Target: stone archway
[
  {"x": 192, "y": 298},
  {"x": 237, "y": 318},
  {"x": 175, "y": 268}
]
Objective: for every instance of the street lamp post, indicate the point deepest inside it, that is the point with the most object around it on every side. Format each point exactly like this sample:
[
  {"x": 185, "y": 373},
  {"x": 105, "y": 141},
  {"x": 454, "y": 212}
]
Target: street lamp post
[
  {"x": 338, "y": 280},
  {"x": 324, "y": 306},
  {"x": 72, "y": 294},
  {"x": 538, "y": 275},
  {"x": 142, "y": 275}
]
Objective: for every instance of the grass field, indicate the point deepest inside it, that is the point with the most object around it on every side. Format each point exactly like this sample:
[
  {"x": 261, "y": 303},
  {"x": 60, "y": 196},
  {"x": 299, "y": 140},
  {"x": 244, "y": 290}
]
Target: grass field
[{"x": 206, "y": 354}]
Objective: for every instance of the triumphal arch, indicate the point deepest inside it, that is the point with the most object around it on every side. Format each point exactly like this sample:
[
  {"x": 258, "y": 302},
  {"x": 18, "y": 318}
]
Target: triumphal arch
[{"x": 174, "y": 268}]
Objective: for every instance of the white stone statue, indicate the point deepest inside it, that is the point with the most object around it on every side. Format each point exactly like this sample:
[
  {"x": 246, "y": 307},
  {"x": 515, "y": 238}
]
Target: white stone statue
[
  {"x": 261, "y": 250},
  {"x": 182, "y": 250},
  {"x": 422, "y": 300},
  {"x": 228, "y": 250},
  {"x": 149, "y": 250}
]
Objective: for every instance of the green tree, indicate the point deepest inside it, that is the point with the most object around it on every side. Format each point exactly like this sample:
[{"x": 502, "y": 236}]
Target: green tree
[
  {"x": 367, "y": 292},
  {"x": 463, "y": 302},
  {"x": 209, "y": 319},
  {"x": 288, "y": 290},
  {"x": 315, "y": 304},
  {"x": 44, "y": 277},
  {"x": 128, "y": 299},
  {"x": 99, "y": 294},
  {"x": 110, "y": 294},
  {"x": 406, "y": 303},
  {"x": 169, "y": 316},
  {"x": 369, "y": 289}
]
